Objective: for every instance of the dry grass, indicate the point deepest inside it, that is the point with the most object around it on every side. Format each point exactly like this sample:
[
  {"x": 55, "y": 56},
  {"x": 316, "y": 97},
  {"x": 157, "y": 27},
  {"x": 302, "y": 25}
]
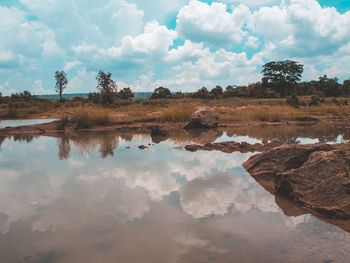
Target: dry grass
[
  {"x": 179, "y": 110},
  {"x": 182, "y": 113},
  {"x": 88, "y": 117}
]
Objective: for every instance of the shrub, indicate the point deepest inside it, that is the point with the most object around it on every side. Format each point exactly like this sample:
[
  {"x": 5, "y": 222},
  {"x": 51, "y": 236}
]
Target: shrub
[
  {"x": 293, "y": 101},
  {"x": 161, "y": 93},
  {"x": 11, "y": 111},
  {"x": 315, "y": 100}
]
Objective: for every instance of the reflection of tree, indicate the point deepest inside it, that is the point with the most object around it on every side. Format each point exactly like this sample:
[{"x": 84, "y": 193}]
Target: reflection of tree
[
  {"x": 23, "y": 138},
  {"x": 2, "y": 139},
  {"x": 126, "y": 137},
  {"x": 86, "y": 143},
  {"x": 108, "y": 144},
  {"x": 289, "y": 134},
  {"x": 63, "y": 147}
]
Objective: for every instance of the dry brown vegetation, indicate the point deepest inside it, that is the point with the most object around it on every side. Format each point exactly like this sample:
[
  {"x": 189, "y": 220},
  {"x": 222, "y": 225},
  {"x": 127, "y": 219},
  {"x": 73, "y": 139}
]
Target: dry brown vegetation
[{"x": 177, "y": 110}]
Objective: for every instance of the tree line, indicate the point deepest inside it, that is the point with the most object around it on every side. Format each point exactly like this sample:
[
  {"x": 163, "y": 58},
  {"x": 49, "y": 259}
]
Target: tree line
[{"x": 280, "y": 79}]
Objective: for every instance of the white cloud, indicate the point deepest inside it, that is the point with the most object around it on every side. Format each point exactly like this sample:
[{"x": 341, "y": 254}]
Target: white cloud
[
  {"x": 213, "y": 24},
  {"x": 253, "y": 42},
  {"x": 69, "y": 65},
  {"x": 302, "y": 28},
  {"x": 151, "y": 45}
]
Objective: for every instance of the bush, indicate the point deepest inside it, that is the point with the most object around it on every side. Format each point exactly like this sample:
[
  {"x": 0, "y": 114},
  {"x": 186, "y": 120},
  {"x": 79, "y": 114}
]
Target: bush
[
  {"x": 11, "y": 111},
  {"x": 161, "y": 93},
  {"x": 126, "y": 94},
  {"x": 315, "y": 100},
  {"x": 293, "y": 101}
]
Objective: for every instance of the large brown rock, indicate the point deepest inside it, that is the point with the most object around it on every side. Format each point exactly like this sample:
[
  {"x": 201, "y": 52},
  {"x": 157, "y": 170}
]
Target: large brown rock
[
  {"x": 204, "y": 118},
  {"x": 313, "y": 176}
]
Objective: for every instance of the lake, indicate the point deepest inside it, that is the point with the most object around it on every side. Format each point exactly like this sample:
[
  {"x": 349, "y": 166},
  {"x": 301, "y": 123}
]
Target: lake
[
  {"x": 96, "y": 197},
  {"x": 16, "y": 123}
]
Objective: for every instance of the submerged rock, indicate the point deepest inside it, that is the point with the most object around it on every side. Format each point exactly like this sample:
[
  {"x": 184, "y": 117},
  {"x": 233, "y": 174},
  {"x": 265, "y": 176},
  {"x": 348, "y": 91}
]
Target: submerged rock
[
  {"x": 142, "y": 147},
  {"x": 313, "y": 176},
  {"x": 204, "y": 118}
]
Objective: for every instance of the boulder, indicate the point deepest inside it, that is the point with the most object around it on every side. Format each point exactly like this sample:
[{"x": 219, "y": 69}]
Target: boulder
[
  {"x": 204, "y": 118},
  {"x": 317, "y": 177}
]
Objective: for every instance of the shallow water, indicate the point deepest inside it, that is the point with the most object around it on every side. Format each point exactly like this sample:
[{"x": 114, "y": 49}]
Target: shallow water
[
  {"x": 16, "y": 123},
  {"x": 98, "y": 198}
]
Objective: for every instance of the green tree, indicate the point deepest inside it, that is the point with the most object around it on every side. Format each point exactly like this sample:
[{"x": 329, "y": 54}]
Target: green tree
[
  {"x": 282, "y": 76},
  {"x": 345, "y": 87},
  {"x": 61, "y": 82},
  {"x": 126, "y": 94},
  {"x": 202, "y": 93},
  {"x": 161, "y": 93},
  {"x": 217, "y": 92},
  {"x": 328, "y": 86},
  {"x": 107, "y": 87}
]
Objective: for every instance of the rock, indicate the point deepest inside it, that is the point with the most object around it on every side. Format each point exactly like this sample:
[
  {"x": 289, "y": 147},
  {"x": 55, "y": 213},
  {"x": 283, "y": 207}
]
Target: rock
[
  {"x": 204, "y": 118},
  {"x": 142, "y": 147},
  {"x": 158, "y": 134},
  {"x": 229, "y": 147},
  {"x": 313, "y": 176}
]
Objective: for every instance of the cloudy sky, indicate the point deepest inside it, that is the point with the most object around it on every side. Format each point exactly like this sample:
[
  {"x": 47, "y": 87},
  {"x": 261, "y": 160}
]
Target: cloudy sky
[{"x": 179, "y": 44}]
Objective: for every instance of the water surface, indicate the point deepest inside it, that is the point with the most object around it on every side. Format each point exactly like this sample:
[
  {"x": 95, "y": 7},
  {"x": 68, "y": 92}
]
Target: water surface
[
  {"x": 96, "y": 197},
  {"x": 16, "y": 123}
]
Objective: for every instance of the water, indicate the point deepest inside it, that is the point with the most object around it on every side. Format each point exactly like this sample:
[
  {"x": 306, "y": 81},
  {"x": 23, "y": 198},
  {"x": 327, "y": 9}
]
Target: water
[
  {"x": 96, "y": 197},
  {"x": 16, "y": 123}
]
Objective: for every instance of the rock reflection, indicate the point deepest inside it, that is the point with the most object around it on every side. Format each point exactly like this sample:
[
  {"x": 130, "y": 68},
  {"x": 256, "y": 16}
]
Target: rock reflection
[{"x": 290, "y": 133}]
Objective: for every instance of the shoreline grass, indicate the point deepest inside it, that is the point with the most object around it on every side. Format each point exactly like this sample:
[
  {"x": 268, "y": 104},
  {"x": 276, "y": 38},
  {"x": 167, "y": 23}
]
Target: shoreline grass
[{"x": 179, "y": 110}]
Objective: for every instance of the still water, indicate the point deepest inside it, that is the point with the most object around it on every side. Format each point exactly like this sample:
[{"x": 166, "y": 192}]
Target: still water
[
  {"x": 16, "y": 123},
  {"x": 98, "y": 198}
]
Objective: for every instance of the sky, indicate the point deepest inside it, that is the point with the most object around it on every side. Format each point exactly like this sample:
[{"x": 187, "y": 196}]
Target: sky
[{"x": 179, "y": 44}]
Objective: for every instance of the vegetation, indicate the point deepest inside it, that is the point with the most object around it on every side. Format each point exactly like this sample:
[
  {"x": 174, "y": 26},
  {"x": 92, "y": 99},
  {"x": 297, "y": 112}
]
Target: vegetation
[
  {"x": 280, "y": 96},
  {"x": 61, "y": 82},
  {"x": 161, "y": 93}
]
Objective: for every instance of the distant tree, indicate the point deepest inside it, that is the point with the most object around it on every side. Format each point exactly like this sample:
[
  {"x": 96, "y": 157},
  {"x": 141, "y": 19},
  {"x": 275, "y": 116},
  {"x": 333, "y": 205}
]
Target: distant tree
[
  {"x": 229, "y": 92},
  {"x": 328, "y": 86},
  {"x": 282, "y": 76},
  {"x": 126, "y": 94},
  {"x": 217, "y": 92},
  {"x": 161, "y": 93},
  {"x": 202, "y": 93},
  {"x": 107, "y": 87},
  {"x": 61, "y": 82},
  {"x": 345, "y": 87}
]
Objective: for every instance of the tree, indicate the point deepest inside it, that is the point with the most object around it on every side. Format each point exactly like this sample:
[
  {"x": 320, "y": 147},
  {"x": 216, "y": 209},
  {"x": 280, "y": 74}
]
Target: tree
[
  {"x": 345, "y": 87},
  {"x": 217, "y": 92},
  {"x": 61, "y": 82},
  {"x": 107, "y": 87},
  {"x": 202, "y": 93},
  {"x": 282, "y": 76},
  {"x": 328, "y": 86},
  {"x": 126, "y": 94},
  {"x": 160, "y": 93}
]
